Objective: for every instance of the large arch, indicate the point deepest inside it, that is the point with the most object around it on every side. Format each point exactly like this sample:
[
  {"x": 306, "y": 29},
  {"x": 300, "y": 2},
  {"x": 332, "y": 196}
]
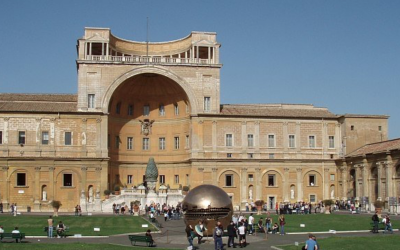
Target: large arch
[{"x": 155, "y": 70}]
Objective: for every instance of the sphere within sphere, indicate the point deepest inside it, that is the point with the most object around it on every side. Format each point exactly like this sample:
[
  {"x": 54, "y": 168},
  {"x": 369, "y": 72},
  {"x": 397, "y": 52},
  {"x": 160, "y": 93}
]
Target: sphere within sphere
[{"x": 209, "y": 204}]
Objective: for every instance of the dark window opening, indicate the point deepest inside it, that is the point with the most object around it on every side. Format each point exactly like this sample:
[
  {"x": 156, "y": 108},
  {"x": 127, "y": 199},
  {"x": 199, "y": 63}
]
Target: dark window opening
[
  {"x": 271, "y": 180},
  {"x": 228, "y": 180},
  {"x": 67, "y": 180},
  {"x": 21, "y": 179}
]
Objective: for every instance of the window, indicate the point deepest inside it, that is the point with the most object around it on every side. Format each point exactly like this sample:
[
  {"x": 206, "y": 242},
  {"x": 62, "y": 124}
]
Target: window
[
  {"x": 292, "y": 141},
  {"x": 312, "y": 198},
  {"x": 117, "y": 142},
  {"x": 229, "y": 141},
  {"x": 311, "y": 180},
  {"x": 332, "y": 177},
  {"x": 161, "y": 110},
  {"x": 67, "y": 180},
  {"x": 176, "y": 179},
  {"x": 271, "y": 141},
  {"x": 68, "y": 138},
  {"x": 228, "y": 180},
  {"x": 146, "y": 110},
  {"x": 331, "y": 142},
  {"x": 45, "y": 137},
  {"x": 161, "y": 143},
  {"x": 162, "y": 179},
  {"x": 21, "y": 137},
  {"x": 129, "y": 179},
  {"x": 229, "y": 155},
  {"x": 21, "y": 179},
  {"x": 1, "y": 137},
  {"x": 251, "y": 178},
  {"x": 207, "y": 104},
  {"x": 311, "y": 141},
  {"x": 129, "y": 143},
  {"x": 176, "y": 142},
  {"x": 271, "y": 156},
  {"x": 130, "y": 109},
  {"x": 352, "y": 127},
  {"x": 118, "y": 108},
  {"x": 187, "y": 142},
  {"x": 146, "y": 142},
  {"x": 271, "y": 180},
  {"x": 176, "y": 109},
  {"x": 250, "y": 140},
  {"x": 380, "y": 128},
  {"x": 250, "y": 155},
  {"x": 91, "y": 101}
]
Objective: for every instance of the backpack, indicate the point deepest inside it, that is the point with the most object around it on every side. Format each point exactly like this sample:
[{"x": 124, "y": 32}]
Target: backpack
[{"x": 218, "y": 232}]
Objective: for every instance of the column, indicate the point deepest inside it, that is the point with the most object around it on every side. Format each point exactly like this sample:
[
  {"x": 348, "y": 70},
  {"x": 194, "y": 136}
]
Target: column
[
  {"x": 326, "y": 184},
  {"x": 52, "y": 140},
  {"x": 389, "y": 176},
  {"x": 298, "y": 140},
  {"x": 258, "y": 184},
  {"x": 356, "y": 175},
  {"x": 5, "y": 130},
  {"x": 379, "y": 180},
  {"x": 52, "y": 184},
  {"x": 208, "y": 55},
  {"x": 200, "y": 136},
  {"x": 257, "y": 137},
  {"x": 84, "y": 137},
  {"x": 243, "y": 187},
  {"x": 38, "y": 131},
  {"x": 365, "y": 170},
  {"x": 4, "y": 191},
  {"x": 37, "y": 190},
  {"x": 285, "y": 183},
  {"x": 244, "y": 139},
  {"x": 83, "y": 181},
  {"x": 214, "y": 139},
  {"x": 99, "y": 146},
  {"x": 98, "y": 189},
  {"x": 343, "y": 170},
  {"x": 324, "y": 139},
  {"x": 299, "y": 184},
  {"x": 285, "y": 136}
]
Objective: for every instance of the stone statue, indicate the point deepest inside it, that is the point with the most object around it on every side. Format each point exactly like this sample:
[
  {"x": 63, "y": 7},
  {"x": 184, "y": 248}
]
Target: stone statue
[
  {"x": 151, "y": 175},
  {"x": 97, "y": 193},
  {"x": 91, "y": 194},
  {"x": 44, "y": 195},
  {"x": 83, "y": 194},
  {"x": 250, "y": 194},
  {"x": 83, "y": 138},
  {"x": 332, "y": 193},
  {"x": 292, "y": 193},
  {"x": 146, "y": 126}
]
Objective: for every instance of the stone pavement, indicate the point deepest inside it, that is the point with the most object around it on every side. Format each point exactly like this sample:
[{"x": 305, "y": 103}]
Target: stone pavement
[{"x": 173, "y": 235}]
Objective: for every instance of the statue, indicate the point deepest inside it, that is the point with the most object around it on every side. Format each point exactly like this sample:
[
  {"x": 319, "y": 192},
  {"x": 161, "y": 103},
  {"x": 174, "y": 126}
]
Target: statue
[
  {"x": 332, "y": 193},
  {"x": 83, "y": 194},
  {"x": 151, "y": 175},
  {"x": 250, "y": 194},
  {"x": 146, "y": 126},
  {"x": 91, "y": 194},
  {"x": 44, "y": 195},
  {"x": 83, "y": 138},
  {"x": 292, "y": 193},
  {"x": 97, "y": 193}
]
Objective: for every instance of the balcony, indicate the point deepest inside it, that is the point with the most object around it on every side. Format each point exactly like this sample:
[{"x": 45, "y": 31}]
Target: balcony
[{"x": 148, "y": 60}]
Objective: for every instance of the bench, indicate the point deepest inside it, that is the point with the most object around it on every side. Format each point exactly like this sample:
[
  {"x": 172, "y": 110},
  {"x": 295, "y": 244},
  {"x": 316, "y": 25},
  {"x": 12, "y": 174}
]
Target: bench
[
  {"x": 138, "y": 238},
  {"x": 15, "y": 236},
  {"x": 381, "y": 226},
  {"x": 61, "y": 234}
]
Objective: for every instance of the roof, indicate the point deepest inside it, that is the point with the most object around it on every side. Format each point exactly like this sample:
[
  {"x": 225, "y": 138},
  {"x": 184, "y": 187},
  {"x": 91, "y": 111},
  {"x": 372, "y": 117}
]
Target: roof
[
  {"x": 52, "y": 103},
  {"x": 364, "y": 116},
  {"x": 276, "y": 110},
  {"x": 378, "y": 147}
]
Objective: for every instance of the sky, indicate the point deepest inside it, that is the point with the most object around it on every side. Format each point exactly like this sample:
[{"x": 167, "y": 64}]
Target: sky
[{"x": 343, "y": 55}]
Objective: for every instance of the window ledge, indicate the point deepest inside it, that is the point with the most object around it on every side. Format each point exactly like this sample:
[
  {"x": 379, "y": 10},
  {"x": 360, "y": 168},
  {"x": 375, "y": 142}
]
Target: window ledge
[
  {"x": 313, "y": 186},
  {"x": 229, "y": 186},
  {"x": 67, "y": 187},
  {"x": 21, "y": 186},
  {"x": 272, "y": 186}
]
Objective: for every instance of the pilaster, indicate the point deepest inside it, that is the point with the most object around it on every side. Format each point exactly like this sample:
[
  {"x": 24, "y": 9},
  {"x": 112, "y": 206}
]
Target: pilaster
[
  {"x": 258, "y": 184},
  {"x": 214, "y": 139},
  {"x": 36, "y": 190},
  {"x": 285, "y": 182},
  {"x": 243, "y": 186},
  {"x": 299, "y": 184}
]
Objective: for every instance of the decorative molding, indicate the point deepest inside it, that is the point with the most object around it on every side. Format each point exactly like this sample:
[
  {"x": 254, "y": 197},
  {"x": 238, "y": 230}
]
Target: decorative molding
[
  {"x": 5, "y": 168},
  {"x": 200, "y": 122},
  {"x": 200, "y": 169},
  {"x": 52, "y": 119},
  {"x": 84, "y": 168},
  {"x": 38, "y": 168},
  {"x": 6, "y": 118},
  {"x": 244, "y": 122},
  {"x": 99, "y": 168},
  {"x": 84, "y": 119},
  {"x": 38, "y": 119},
  {"x": 52, "y": 168},
  {"x": 326, "y": 170},
  {"x": 258, "y": 169},
  {"x": 214, "y": 122},
  {"x": 299, "y": 169},
  {"x": 285, "y": 123},
  {"x": 257, "y": 122},
  {"x": 286, "y": 169},
  {"x": 98, "y": 120},
  {"x": 214, "y": 169}
]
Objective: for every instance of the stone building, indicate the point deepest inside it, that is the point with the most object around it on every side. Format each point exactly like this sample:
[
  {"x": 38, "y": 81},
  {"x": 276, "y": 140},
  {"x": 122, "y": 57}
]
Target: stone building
[{"x": 138, "y": 100}]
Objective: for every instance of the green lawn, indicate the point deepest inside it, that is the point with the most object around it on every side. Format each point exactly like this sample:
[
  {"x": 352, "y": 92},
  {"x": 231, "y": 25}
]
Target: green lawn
[
  {"x": 32, "y": 225},
  {"x": 378, "y": 242},
  {"x": 326, "y": 222},
  {"x": 70, "y": 246}
]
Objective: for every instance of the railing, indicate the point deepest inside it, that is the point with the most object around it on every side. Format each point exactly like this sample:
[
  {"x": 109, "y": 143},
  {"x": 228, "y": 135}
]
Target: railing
[{"x": 151, "y": 59}]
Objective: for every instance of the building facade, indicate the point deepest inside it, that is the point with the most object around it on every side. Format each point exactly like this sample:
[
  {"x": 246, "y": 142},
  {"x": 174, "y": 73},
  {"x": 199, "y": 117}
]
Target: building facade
[{"x": 139, "y": 100}]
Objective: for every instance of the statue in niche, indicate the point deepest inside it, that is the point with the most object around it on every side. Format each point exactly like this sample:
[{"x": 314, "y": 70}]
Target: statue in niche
[
  {"x": 292, "y": 193},
  {"x": 250, "y": 194},
  {"x": 91, "y": 194},
  {"x": 97, "y": 193},
  {"x": 44, "y": 195},
  {"x": 332, "y": 193},
  {"x": 83, "y": 138},
  {"x": 83, "y": 194}
]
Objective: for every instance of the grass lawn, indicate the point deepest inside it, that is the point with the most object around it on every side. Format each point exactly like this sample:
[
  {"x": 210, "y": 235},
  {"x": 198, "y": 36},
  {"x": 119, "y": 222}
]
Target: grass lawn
[
  {"x": 70, "y": 246},
  {"x": 379, "y": 242},
  {"x": 32, "y": 225},
  {"x": 326, "y": 222}
]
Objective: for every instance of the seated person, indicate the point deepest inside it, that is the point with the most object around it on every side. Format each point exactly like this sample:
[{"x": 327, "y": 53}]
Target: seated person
[
  {"x": 60, "y": 228},
  {"x": 148, "y": 234},
  {"x": 275, "y": 228},
  {"x": 15, "y": 231},
  {"x": 1, "y": 230},
  {"x": 260, "y": 225}
]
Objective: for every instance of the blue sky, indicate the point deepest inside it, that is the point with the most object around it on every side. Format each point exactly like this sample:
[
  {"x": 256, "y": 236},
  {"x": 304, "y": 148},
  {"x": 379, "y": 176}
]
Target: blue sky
[{"x": 343, "y": 55}]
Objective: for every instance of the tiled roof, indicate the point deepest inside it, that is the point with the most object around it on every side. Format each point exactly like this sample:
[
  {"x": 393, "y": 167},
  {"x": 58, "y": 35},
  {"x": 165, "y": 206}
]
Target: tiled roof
[
  {"x": 276, "y": 110},
  {"x": 364, "y": 116},
  {"x": 38, "y": 102},
  {"x": 377, "y": 147}
]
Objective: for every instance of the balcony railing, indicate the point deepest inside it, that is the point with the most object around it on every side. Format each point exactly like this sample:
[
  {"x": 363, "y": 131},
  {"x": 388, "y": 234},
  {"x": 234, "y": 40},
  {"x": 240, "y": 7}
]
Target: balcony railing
[{"x": 150, "y": 59}]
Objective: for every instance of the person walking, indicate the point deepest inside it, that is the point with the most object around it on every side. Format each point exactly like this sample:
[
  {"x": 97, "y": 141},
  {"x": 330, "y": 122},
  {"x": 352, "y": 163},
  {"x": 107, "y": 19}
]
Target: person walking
[
  {"x": 50, "y": 224},
  {"x": 231, "y": 234},
  {"x": 282, "y": 224},
  {"x": 242, "y": 235},
  {"x": 375, "y": 219},
  {"x": 251, "y": 224},
  {"x": 388, "y": 225},
  {"x": 217, "y": 235},
  {"x": 311, "y": 244},
  {"x": 268, "y": 223},
  {"x": 189, "y": 235},
  {"x": 199, "y": 228}
]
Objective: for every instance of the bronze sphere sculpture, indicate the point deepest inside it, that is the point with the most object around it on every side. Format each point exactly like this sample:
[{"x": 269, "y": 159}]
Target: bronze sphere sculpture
[{"x": 209, "y": 204}]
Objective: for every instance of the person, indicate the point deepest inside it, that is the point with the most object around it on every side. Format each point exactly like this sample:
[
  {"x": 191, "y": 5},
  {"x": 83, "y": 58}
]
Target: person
[
  {"x": 148, "y": 234},
  {"x": 16, "y": 231},
  {"x": 275, "y": 228},
  {"x": 199, "y": 231},
  {"x": 276, "y": 208},
  {"x": 217, "y": 235},
  {"x": 388, "y": 225},
  {"x": 1, "y": 207},
  {"x": 268, "y": 223},
  {"x": 60, "y": 228},
  {"x": 114, "y": 210},
  {"x": 15, "y": 209},
  {"x": 242, "y": 235},
  {"x": 260, "y": 225},
  {"x": 251, "y": 223},
  {"x": 189, "y": 236},
  {"x": 76, "y": 210},
  {"x": 310, "y": 243},
  {"x": 50, "y": 222},
  {"x": 282, "y": 224},
  {"x": 80, "y": 210},
  {"x": 1, "y": 230},
  {"x": 231, "y": 234},
  {"x": 165, "y": 216},
  {"x": 375, "y": 219},
  {"x": 315, "y": 239}
]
